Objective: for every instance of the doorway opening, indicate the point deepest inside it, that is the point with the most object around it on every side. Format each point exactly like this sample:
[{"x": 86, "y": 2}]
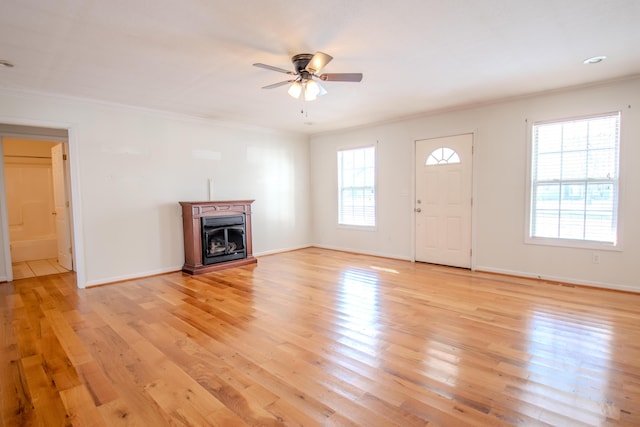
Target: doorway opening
[{"x": 36, "y": 194}]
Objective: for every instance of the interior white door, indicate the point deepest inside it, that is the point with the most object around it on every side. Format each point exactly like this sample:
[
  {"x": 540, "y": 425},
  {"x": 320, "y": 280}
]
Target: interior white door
[
  {"x": 61, "y": 204},
  {"x": 443, "y": 200}
]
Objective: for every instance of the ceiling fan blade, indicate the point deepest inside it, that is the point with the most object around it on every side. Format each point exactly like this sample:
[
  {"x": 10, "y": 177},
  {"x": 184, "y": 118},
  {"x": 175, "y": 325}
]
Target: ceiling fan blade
[
  {"x": 272, "y": 68},
  {"x": 341, "y": 77},
  {"x": 278, "y": 84},
  {"x": 318, "y": 62}
]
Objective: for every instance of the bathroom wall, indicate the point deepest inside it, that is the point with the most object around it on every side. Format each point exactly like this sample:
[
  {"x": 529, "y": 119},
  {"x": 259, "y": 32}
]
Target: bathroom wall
[{"x": 29, "y": 193}]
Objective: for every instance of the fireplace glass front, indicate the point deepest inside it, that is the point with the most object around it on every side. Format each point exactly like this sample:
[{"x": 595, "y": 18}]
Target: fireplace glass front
[{"x": 223, "y": 239}]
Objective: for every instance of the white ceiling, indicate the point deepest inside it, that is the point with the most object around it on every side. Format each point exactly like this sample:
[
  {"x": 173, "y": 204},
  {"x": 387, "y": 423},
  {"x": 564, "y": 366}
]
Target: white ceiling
[{"x": 195, "y": 56}]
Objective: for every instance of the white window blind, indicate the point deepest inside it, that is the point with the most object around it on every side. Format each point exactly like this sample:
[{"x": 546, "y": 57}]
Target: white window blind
[
  {"x": 574, "y": 179},
  {"x": 356, "y": 187}
]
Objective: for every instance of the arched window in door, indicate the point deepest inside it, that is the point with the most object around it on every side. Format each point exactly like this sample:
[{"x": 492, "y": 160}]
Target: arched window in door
[{"x": 442, "y": 156}]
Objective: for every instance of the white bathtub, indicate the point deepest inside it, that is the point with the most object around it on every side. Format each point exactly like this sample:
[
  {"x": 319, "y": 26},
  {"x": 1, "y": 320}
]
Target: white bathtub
[{"x": 30, "y": 250}]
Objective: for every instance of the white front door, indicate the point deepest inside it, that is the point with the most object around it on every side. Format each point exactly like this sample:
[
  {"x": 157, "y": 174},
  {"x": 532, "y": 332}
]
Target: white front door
[
  {"x": 61, "y": 205},
  {"x": 443, "y": 200}
]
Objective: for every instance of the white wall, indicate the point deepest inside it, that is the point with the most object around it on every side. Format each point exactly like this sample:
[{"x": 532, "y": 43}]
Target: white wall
[
  {"x": 500, "y": 139},
  {"x": 133, "y": 166}
]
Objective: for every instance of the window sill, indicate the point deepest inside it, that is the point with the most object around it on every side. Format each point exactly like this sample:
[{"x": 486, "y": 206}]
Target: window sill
[
  {"x": 357, "y": 227},
  {"x": 571, "y": 243}
]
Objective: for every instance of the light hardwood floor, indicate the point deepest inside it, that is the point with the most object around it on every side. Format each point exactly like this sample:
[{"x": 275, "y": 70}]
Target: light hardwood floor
[{"x": 318, "y": 338}]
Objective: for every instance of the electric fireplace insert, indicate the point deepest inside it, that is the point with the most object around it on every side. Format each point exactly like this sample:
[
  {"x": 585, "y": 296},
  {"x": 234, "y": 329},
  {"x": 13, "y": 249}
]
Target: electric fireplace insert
[{"x": 223, "y": 239}]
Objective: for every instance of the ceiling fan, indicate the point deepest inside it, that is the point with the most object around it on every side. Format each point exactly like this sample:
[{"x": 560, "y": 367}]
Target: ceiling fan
[{"x": 306, "y": 69}]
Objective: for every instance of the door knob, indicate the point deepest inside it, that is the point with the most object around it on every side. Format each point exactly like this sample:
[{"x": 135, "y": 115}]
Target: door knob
[{"x": 418, "y": 210}]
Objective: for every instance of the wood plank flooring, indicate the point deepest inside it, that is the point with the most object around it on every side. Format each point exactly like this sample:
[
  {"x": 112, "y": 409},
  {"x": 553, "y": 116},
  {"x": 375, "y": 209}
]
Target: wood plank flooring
[{"x": 318, "y": 338}]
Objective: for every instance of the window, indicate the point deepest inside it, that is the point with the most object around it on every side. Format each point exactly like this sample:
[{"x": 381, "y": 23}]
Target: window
[
  {"x": 356, "y": 187},
  {"x": 574, "y": 180},
  {"x": 442, "y": 156}
]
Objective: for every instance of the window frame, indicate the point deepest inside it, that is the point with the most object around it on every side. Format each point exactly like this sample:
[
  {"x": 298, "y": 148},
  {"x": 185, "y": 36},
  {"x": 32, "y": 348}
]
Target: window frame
[
  {"x": 375, "y": 188},
  {"x": 568, "y": 242}
]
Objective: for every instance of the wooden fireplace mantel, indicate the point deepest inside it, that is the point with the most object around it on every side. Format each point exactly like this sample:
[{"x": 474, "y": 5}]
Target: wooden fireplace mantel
[{"x": 192, "y": 213}]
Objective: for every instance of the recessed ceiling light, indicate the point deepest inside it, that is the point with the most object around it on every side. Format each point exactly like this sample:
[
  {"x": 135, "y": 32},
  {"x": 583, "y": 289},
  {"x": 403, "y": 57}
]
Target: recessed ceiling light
[
  {"x": 5, "y": 63},
  {"x": 595, "y": 59}
]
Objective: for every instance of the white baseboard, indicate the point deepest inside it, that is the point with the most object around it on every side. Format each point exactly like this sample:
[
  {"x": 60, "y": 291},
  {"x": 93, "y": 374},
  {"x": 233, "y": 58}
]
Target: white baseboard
[
  {"x": 561, "y": 279},
  {"x": 281, "y": 250},
  {"x": 3, "y": 279},
  {"x": 140, "y": 275},
  {"x": 133, "y": 276},
  {"x": 360, "y": 251}
]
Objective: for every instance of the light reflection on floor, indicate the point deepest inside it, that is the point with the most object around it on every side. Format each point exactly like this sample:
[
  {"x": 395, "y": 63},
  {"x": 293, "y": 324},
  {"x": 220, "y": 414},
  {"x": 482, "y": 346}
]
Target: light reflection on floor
[
  {"x": 577, "y": 353},
  {"x": 386, "y": 270},
  {"x": 359, "y": 303},
  {"x": 440, "y": 365}
]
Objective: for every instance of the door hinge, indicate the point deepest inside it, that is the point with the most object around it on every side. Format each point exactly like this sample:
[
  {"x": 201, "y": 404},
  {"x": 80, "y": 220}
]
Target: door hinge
[
  {"x": 70, "y": 251},
  {"x": 66, "y": 204},
  {"x": 64, "y": 157}
]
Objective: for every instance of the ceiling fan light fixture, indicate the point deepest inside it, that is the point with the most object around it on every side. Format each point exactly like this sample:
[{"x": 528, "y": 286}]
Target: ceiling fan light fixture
[
  {"x": 295, "y": 90},
  {"x": 311, "y": 90},
  {"x": 323, "y": 91}
]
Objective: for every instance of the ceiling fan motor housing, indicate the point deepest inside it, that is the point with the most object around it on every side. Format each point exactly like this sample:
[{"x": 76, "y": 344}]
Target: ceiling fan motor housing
[{"x": 300, "y": 62}]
